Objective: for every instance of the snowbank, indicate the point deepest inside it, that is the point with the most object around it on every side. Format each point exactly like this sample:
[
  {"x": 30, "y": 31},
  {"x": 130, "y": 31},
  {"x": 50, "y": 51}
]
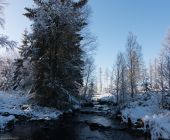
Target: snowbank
[
  {"x": 13, "y": 104},
  {"x": 147, "y": 108},
  {"x": 159, "y": 125},
  {"x": 106, "y": 97},
  {"x": 4, "y": 120}
]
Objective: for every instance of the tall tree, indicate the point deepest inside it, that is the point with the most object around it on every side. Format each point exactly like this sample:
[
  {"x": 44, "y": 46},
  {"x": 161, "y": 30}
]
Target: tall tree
[
  {"x": 106, "y": 79},
  {"x": 120, "y": 78},
  {"x": 88, "y": 74},
  {"x": 56, "y": 51},
  {"x": 100, "y": 80},
  {"x": 134, "y": 62},
  {"x": 161, "y": 78},
  {"x": 151, "y": 73},
  {"x": 6, "y": 72},
  {"x": 23, "y": 68}
]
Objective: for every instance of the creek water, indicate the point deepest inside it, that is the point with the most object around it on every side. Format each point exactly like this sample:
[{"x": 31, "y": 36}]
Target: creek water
[{"x": 88, "y": 124}]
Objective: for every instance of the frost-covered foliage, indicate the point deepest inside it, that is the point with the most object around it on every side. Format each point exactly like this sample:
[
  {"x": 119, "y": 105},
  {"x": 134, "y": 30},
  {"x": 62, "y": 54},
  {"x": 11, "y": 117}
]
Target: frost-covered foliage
[
  {"x": 6, "y": 67},
  {"x": 55, "y": 48},
  {"x": 4, "y": 42},
  {"x": 22, "y": 75},
  {"x": 6, "y": 72},
  {"x": 159, "y": 73}
]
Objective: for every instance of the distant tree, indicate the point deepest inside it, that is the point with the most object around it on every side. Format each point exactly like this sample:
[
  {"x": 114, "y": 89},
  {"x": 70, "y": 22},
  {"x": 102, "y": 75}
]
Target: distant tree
[
  {"x": 88, "y": 74},
  {"x": 145, "y": 79},
  {"x": 92, "y": 89},
  {"x": 156, "y": 74},
  {"x": 106, "y": 79},
  {"x": 161, "y": 78},
  {"x": 17, "y": 77},
  {"x": 24, "y": 48},
  {"x": 165, "y": 55},
  {"x": 6, "y": 71},
  {"x": 163, "y": 69},
  {"x": 134, "y": 63},
  {"x": 111, "y": 82},
  {"x": 120, "y": 78},
  {"x": 151, "y": 73},
  {"x": 22, "y": 77},
  {"x": 100, "y": 80}
]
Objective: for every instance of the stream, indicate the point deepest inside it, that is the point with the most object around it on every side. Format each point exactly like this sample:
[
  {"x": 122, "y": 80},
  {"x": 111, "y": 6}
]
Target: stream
[{"x": 87, "y": 124}]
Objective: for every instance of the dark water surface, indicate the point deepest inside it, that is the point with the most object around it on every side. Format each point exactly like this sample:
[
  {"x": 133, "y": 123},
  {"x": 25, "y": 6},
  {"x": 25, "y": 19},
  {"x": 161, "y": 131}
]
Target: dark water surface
[{"x": 71, "y": 127}]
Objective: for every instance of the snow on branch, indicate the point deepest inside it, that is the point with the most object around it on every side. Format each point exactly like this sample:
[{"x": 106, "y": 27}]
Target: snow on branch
[{"x": 5, "y": 42}]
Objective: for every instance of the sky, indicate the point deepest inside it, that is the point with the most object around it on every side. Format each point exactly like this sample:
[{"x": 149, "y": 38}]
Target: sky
[{"x": 110, "y": 21}]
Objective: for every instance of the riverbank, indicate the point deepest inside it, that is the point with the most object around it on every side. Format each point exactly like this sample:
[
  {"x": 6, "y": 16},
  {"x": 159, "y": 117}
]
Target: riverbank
[
  {"x": 16, "y": 106},
  {"x": 144, "y": 112},
  {"x": 88, "y": 123}
]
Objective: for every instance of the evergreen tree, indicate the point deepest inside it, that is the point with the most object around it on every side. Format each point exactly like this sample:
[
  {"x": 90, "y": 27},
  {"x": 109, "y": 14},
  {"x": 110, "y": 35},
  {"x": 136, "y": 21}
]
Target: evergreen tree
[
  {"x": 17, "y": 77},
  {"x": 56, "y": 52},
  {"x": 6, "y": 71},
  {"x": 22, "y": 65}
]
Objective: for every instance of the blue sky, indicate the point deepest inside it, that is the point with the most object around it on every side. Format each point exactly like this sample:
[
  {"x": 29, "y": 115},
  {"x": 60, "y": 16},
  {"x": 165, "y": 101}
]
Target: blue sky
[{"x": 110, "y": 21}]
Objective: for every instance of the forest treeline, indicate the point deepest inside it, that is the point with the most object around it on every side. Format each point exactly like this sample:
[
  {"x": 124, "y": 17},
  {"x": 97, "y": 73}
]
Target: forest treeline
[{"x": 130, "y": 75}]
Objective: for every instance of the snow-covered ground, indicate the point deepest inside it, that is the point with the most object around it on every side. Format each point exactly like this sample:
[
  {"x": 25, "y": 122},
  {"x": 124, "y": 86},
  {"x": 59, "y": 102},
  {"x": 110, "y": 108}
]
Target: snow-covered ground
[
  {"x": 104, "y": 97},
  {"x": 147, "y": 107},
  {"x": 13, "y": 104}
]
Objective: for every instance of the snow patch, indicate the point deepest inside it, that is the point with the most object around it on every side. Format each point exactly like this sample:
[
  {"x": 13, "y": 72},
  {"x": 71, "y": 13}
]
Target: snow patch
[
  {"x": 4, "y": 120},
  {"x": 107, "y": 97},
  {"x": 13, "y": 103},
  {"x": 147, "y": 107}
]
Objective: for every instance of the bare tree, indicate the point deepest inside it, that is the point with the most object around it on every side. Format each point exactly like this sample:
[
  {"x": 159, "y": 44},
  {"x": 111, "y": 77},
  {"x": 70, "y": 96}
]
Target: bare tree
[
  {"x": 111, "y": 82},
  {"x": 151, "y": 72},
  {"x": 100, "y": 80},
  {"x": 165, "y": 55},
  {"x": 134, "y": 62},
  {"x": 167, "y": 70},
  {"x": 91, "y": 89},
  {"x": 88, "y": 73},
  {"x": 164, "y": 69},
  {"x": 106, "y": 79},
  {"x": 155, "y": 74},
  {"x": 161, "y": 78},
  {"x": 145, "y": 79},
  {"x": 120, "y": 78}
]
